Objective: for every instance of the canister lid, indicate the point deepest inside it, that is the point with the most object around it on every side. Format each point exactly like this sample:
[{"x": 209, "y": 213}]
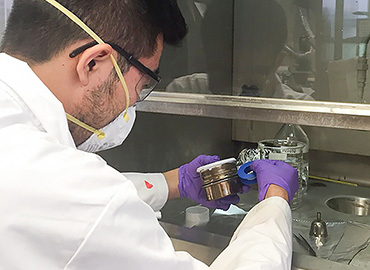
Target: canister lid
[
  {"x": 246, "y": 175},
  {"x": 217, "y": 163}
]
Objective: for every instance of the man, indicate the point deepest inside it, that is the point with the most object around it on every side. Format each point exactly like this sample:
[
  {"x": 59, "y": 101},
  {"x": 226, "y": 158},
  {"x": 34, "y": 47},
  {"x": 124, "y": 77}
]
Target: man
[{"x": 64, "y": 208}]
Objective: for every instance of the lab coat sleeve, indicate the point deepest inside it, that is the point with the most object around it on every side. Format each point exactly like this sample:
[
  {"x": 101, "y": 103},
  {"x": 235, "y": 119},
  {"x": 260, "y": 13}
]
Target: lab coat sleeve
[
  {"x": 128, "y": 236},
  {"x": 263, "y": 241},
  {"x": 152, "y": 188}
]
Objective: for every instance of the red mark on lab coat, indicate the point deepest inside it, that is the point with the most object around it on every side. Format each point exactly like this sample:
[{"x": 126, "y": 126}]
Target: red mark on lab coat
[{"x": 148, "y": 185}]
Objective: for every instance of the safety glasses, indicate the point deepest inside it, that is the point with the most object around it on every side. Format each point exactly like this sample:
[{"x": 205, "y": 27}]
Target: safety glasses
[{"x": 148, "y": 81}]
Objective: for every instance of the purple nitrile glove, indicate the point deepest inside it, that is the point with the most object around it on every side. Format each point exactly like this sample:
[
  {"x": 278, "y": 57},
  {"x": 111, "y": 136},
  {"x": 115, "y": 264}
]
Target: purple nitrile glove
[
  {"x": 275, "y": 172},
  {"x": 190, "y": 184}
]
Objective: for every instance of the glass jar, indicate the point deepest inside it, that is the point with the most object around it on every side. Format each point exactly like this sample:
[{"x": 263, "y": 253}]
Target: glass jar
[
  {"x": 296, "y": 133},
  {"x": 290, "y": 152}
]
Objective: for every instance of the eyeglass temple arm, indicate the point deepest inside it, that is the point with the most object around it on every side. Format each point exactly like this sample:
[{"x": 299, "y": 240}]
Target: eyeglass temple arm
[
  {"x": 79, "y": 50},
  {"x": 129, "y": 57}
]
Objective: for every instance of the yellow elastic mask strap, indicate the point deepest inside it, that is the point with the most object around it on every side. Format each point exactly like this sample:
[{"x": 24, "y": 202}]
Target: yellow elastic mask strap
[
  {"x": 99, "y": 134},
  {"x": 92, "y": 34}
]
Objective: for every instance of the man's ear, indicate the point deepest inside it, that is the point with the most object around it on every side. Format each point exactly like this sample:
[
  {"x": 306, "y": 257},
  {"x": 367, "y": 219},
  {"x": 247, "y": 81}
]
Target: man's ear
[{"x": 94, "y": 60}]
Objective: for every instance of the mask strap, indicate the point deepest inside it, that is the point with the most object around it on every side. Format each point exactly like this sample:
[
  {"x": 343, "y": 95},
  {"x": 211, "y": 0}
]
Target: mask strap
[
  {"x": 92, "y": 34},
  {"x": 99, "y": 134}
]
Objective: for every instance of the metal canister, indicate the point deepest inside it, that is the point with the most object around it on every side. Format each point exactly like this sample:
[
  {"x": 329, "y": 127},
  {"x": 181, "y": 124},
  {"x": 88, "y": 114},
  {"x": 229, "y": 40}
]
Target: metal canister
[{"x": 220, "y": 179}]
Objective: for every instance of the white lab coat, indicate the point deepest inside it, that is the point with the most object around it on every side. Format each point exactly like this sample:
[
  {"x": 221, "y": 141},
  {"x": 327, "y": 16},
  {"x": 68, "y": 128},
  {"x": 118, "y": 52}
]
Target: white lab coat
[{"x": 61, "y": 208}]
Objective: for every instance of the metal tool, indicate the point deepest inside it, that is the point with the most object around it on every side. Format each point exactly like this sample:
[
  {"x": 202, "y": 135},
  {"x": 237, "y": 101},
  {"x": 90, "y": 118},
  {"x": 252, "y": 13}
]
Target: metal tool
[
  {"x": 319, "y": 231},
  {"x": 304, "y": 243},
  {"x": 318, "y": 227},
  {"x": 220, "y": 179}
]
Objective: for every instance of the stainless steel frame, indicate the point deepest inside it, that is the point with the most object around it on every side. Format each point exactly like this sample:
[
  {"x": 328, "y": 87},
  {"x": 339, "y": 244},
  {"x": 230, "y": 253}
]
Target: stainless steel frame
[
  {"x": 207, "y": 246},
  {"x": 314, "y": 201},
  {"x": 310, "y": 113}
]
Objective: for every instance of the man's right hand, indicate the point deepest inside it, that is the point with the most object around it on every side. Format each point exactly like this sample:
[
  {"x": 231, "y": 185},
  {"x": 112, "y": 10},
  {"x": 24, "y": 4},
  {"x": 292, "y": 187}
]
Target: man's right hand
[{"x": 275, "y": 173}]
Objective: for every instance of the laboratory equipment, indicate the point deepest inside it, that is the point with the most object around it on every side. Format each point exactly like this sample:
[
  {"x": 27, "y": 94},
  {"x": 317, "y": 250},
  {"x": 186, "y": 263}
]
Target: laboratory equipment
[
  {"x": 354, "y": 205},
  {"x": 247, "y": 155},
  {"x": 319, "y": 230},
  {"x": 220, "y": 179},
  {"x": 289, "y": 151},
  {"x": 293, "y": 132},
  {"x": 196, "y": 216},
  {"x": 246, "y": 175},
  {"x": 362, "y": 67}
]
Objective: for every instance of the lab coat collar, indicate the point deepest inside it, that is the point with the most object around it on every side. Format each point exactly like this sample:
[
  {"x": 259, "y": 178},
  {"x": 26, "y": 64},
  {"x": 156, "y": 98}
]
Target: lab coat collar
[{"x": 48, "y": 112}]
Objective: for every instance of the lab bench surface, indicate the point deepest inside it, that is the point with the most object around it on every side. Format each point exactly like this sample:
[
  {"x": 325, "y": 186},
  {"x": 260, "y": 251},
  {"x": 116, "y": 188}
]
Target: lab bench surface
[{"x": 206, "y": 242}]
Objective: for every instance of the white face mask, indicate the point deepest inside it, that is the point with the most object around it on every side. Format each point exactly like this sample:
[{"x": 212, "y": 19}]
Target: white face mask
[{"x": 115, "y": 133}]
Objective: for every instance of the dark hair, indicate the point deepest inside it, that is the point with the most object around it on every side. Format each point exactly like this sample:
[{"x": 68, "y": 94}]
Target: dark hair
[{"x": 38, "y": 31}]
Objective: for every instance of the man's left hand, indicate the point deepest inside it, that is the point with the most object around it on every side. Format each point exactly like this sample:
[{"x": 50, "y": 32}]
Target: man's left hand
[{"x": 190, "y": 184}]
